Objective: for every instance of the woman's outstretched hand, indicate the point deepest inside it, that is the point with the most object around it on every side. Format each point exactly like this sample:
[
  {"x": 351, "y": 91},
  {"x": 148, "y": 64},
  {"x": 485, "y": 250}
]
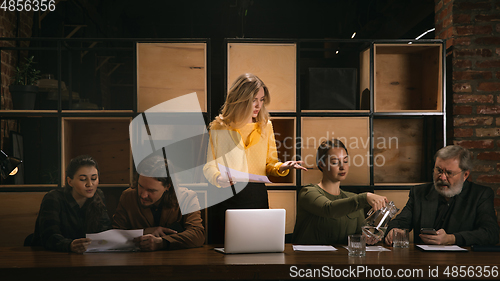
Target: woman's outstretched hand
[{"x": 292, "y": 164}]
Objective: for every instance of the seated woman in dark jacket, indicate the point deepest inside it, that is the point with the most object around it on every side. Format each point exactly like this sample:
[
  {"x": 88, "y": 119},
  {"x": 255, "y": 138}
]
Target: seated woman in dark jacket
[
  {"x": 67, "y": 214},
  {"x": 326, "y": 214}
]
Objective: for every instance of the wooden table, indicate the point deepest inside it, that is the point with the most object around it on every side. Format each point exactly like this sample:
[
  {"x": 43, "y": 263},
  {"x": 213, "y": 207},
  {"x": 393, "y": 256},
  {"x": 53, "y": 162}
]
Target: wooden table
[{"x": 206, "y": 264}]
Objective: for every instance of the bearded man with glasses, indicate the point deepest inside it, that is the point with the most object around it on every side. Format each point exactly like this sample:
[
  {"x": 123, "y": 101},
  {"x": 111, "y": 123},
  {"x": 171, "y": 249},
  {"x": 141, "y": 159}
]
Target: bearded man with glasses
[{"x": 461, "y": 212}]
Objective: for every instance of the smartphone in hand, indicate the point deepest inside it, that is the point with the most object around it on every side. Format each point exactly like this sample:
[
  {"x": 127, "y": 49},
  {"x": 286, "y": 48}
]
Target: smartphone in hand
[{"x": 429, "y": 231}]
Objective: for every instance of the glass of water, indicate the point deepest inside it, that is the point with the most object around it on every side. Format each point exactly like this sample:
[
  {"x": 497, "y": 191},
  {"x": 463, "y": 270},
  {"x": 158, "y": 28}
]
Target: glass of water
[
  {"x": 400, "y": 238},
  {"x": 356, "y": 245}
]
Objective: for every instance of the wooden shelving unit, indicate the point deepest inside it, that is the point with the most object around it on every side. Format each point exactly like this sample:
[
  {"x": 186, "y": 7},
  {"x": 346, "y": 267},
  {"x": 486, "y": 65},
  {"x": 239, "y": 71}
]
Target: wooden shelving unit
[
  {"x": 153, "y": 72},
  {"x": 395, "y": 91},
  {"x": 383, "y": 99}
]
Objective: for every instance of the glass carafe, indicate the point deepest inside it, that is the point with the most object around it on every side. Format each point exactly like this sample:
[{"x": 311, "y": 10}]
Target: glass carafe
[{"x": 376, "y": 222}]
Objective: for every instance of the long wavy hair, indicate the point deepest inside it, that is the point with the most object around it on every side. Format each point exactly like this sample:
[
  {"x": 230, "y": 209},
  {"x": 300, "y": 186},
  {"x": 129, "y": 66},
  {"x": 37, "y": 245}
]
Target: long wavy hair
[
  {"x": 95, "y": 205},
  {"x": 239, "y": 104}
]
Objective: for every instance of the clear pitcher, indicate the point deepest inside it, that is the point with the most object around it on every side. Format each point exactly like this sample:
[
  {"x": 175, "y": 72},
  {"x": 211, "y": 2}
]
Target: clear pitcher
[{"x": 375, "y": 224}]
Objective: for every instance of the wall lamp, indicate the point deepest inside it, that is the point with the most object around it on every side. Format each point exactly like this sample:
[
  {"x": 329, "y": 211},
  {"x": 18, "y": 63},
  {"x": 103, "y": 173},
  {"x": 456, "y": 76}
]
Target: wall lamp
[{"x": 8, "y": 165}]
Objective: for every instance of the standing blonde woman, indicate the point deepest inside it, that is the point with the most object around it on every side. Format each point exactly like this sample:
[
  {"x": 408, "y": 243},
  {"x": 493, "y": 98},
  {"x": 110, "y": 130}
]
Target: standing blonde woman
[{"x": 242, "y": 138}]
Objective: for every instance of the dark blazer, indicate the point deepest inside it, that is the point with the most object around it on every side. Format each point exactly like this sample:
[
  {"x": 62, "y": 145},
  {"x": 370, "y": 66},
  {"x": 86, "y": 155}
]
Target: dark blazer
[{"x": 473, "y": 220}]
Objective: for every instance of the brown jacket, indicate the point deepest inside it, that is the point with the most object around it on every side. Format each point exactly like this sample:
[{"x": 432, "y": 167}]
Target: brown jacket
[{"x": 130, "y": 214}]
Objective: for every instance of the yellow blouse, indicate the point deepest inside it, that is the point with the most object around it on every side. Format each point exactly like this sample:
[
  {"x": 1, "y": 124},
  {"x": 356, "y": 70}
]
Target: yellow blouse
[{"x": 246, "y": 149}]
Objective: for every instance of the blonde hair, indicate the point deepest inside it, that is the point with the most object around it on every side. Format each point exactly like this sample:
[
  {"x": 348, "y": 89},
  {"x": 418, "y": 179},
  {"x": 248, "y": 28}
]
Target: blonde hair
[{"x": 239, "y": 104}]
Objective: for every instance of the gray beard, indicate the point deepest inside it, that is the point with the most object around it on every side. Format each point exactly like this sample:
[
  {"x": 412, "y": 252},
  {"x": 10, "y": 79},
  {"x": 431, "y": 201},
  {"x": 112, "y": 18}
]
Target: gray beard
[{"x": 451, "y": 191}]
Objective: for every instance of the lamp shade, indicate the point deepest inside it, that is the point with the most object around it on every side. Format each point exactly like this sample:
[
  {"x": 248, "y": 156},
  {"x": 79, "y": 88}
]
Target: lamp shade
[{"x": 8, "y": 165}]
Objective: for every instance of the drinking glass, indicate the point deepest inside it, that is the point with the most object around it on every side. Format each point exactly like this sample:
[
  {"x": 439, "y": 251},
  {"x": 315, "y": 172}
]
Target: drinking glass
[
  {"x": 401, "y": 239},
  {"x": 356, "y": 245}
]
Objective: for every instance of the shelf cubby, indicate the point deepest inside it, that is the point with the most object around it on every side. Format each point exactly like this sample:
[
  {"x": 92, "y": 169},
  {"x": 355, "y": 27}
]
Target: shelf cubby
[
  {"x": 274, "y": 63},
  {"x": 284, "y": 133},
  {"x": 330, "y": 76},
  {"x": 407, "y": 77},
  {"x": 106, "y": 139},
  {"x": 352, "y": 131},
  {"x": 170, "y": 70},
  {"x": 398, "y": 150},
  {"x": 112, "y": 68}
]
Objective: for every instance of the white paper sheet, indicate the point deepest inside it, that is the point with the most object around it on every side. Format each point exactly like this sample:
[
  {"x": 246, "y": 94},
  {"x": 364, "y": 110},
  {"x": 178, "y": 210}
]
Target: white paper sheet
[
  {"x": 238, "y": 176},
  {"x": 439, "y": 248},
  {"x": 313, "y": 248},
  {"x": 114, "y": 240},
  {"x": 377, "y": 249},
  {"x": 373, "y": 249}
]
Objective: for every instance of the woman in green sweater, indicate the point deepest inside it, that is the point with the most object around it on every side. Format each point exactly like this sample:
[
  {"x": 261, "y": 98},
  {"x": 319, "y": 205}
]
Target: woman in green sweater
[{"x": 326, "y": 214}]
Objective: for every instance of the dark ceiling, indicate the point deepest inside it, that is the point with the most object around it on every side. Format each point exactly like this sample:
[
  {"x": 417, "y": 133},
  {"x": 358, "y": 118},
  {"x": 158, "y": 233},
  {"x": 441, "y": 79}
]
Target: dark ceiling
[{"x": 371, "y": 19}]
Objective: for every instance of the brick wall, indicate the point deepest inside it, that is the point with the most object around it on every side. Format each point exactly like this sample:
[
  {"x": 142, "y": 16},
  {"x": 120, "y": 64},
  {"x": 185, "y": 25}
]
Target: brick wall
[
  {"x": 471, "y": 29},
  {"x": 9, "y": 28}
]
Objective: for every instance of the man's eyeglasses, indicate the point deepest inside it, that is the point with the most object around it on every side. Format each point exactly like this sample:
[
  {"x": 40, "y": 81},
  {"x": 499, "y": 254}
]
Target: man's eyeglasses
[{"x": 448, "y": 174}]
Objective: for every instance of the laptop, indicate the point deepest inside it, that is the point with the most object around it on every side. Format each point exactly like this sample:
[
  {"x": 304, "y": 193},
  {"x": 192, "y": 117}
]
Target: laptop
[{"x": 254, "y": 231}]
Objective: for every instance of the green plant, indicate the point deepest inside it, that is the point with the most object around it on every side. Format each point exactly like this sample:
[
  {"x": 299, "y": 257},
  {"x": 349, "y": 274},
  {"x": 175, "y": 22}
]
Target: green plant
[{"x": 26, "y": 74}]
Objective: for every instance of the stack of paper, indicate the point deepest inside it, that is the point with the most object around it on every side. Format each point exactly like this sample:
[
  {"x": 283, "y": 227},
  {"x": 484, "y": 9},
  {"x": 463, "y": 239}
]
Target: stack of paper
[
  {"x": 314, "y": 248},
  {"x": 114, "y": 240}
]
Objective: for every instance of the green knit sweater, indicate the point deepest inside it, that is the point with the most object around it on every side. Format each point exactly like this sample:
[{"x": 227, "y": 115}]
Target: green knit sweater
[{"x": 326, "y": 219}]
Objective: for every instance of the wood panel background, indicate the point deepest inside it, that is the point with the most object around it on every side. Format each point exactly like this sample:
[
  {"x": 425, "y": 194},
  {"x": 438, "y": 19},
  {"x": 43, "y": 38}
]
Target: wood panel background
[
  {"x": 353, "y": 131},
  {"x": 19, "y": 210},
  {"x": 106, "y": 140},
  {"x": 18, "y": 213},
  {"x": 397, "y": 83},
  {"x": 284, "y": 133},
  {"x": 407, "y": 78},
  {"x": 432, "y": 79},
  {"x": 169, "y": 70},
  {"x": 398, "y": 155},
  {"x": 274, "y": 64},
  {"x": 399, "y": 197},
  {"x": 285, "y": 199}
]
